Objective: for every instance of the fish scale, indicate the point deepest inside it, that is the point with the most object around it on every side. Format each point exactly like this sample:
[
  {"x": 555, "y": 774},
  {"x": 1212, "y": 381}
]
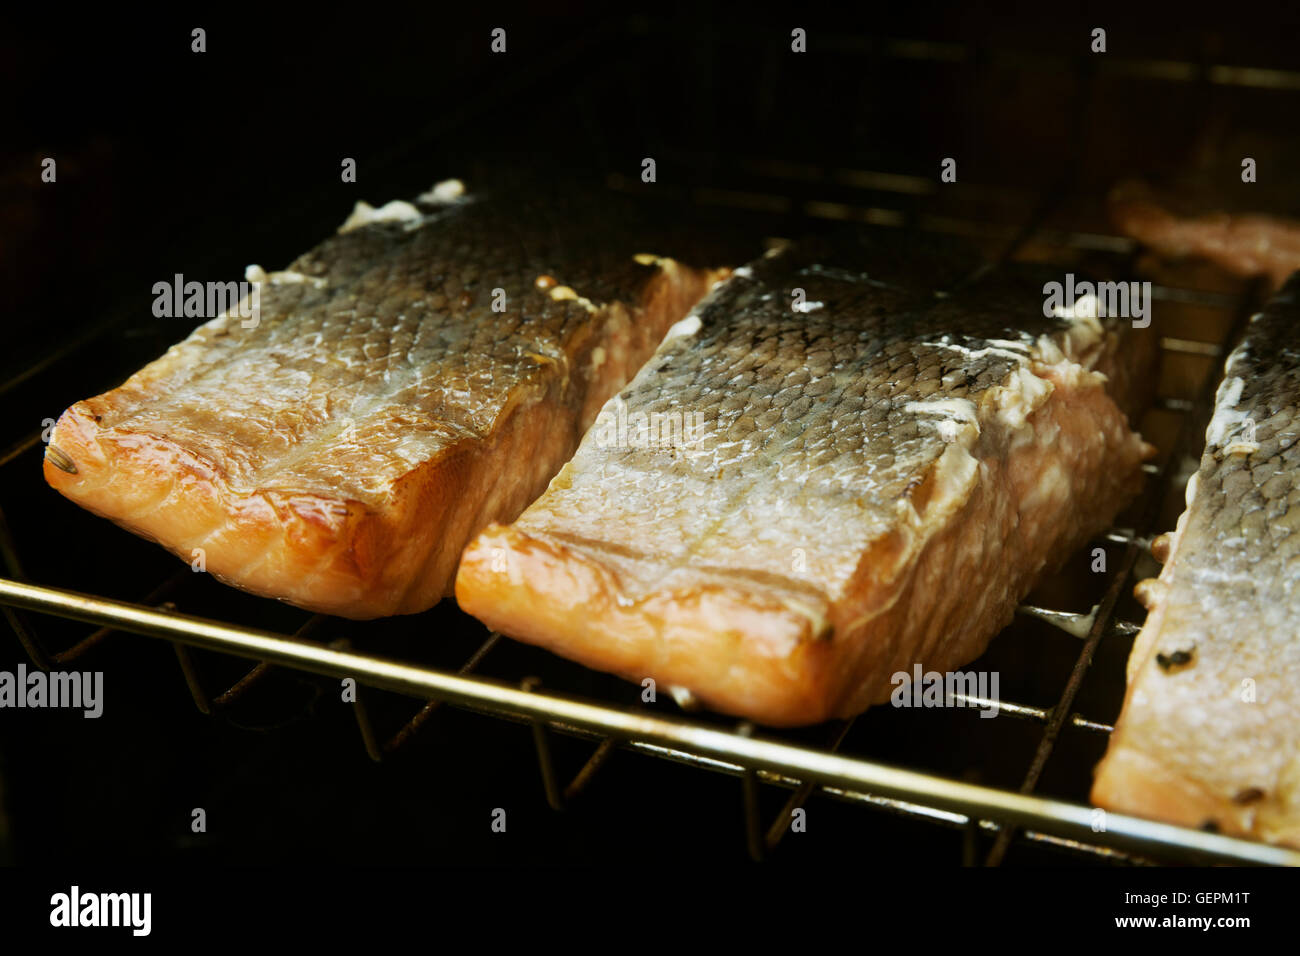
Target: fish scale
[
  {"x": 1209, "y": 734},
  {"x": 847, "y": 490},
  {"x": 339, "y": 454}
]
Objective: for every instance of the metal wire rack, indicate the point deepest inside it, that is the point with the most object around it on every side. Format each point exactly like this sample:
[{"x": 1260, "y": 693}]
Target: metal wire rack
[{"x": 757, "y": 757}]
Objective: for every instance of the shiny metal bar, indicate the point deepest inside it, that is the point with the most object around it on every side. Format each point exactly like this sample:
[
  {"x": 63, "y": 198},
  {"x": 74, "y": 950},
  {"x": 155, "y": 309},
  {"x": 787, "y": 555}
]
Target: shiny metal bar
[
  {"x": 153, "y": 599},
  {"x": 1068, "y": 820},
  {"x": 1191, "y": 347},
  {"x": 1076, "y": 624},
  {"x": 1072, "y": 623},
  {"x": 1026, "y": 711}
]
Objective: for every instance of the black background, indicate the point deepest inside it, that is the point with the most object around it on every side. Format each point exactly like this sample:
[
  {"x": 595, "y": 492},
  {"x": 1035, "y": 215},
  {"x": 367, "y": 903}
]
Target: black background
[{"x": 171, "y": 161}]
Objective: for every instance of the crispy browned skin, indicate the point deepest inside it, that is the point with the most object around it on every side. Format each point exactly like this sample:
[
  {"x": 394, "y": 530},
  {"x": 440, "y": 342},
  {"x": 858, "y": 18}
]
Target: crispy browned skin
[
  {"x": 875, "y": 482},
  {"x": 1210, "y": 730},
  {"x": 1246, "y": 244},
  {"x": 340, "y": 454}
]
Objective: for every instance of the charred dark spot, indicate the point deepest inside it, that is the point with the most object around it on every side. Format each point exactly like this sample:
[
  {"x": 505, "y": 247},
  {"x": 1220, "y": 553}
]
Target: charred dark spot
[
  {"x": 1249, "y": 795},
  {"x": 1177, "y": 659},
  {"x": 1210, "y": 826}
]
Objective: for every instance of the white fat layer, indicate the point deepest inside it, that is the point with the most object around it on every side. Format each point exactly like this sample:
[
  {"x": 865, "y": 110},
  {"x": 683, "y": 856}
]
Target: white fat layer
[
  {"x": 948, "y": 429},
  {"x": 1239, "y": 354},
  {"x": 650, "y": 259},
  {"x": 955, "y": 474},
  {"x": 963, "y": 409},
  {"x": 995, "y": 347},
  {"x": 256, "y": 273},
  {"x": 1017, "y": 400},
  {"x": 396, "y": 211},
  {"x": 684, "y": 328},
  {"x": 1027, "y": 386},
  {"x": 449, "y": 190},
  {"x": 1013, "y": 344},
  {"x": 683, "y": 696},
  {"x": 1226, "y": 418},
  {"x": 1083, "y": 335},
  {"x": 1085, "y": 327},
  {"x": 1085, "y": 309},
  {"x": 563, "y": 293},
  {"x": 959, "y": 416},
  {"x": 808, "y": 306}
]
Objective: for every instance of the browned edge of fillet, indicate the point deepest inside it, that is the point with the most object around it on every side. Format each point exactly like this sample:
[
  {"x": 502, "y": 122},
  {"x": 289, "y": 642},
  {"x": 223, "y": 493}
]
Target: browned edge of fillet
[
  {"x": 935, "y": 595},
  {"x": 1130, "y": 779},
  {"x": 335, "y": 555}
]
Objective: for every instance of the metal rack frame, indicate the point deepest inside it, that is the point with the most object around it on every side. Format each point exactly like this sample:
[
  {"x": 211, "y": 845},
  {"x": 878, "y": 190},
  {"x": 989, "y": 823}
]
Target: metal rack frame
[{"x": 757, "y": 758}]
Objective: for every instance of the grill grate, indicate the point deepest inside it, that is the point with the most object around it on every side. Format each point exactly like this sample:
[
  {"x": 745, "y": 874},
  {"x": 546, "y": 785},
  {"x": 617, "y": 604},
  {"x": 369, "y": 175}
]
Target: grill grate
[
  {"x": 763, "y": 760},
  {"x": 794, "y": 195}
]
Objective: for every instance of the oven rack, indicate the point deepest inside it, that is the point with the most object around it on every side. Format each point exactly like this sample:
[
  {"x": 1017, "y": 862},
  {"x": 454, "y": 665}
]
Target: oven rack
[{"x": 757, "y": 757}]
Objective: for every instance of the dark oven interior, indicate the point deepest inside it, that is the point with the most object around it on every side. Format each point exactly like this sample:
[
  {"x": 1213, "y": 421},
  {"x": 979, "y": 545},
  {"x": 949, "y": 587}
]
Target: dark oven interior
[{"x": 171, "y": 162}]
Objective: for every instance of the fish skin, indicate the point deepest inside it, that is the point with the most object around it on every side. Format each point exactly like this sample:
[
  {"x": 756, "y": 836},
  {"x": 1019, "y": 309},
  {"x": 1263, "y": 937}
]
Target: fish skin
[
  {"x": 1189, "y": 747},
  {"x": 841, "y": 516},
  {"x": 339, "y": 455}
]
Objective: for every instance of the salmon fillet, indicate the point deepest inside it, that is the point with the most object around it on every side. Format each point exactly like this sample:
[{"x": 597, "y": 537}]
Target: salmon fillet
[
  {"x": 870, "y": 477},
  {"x": 340, "y": 454},
  {"x": 1245, "y": 244},
  {"x": 1210, "y": 730}
]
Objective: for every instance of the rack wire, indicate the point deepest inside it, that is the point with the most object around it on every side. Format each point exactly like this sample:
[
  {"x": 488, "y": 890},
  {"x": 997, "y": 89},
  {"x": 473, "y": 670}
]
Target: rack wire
[
  {"x": 756, "y": 759},
  {"x": 759, "y": 758}
]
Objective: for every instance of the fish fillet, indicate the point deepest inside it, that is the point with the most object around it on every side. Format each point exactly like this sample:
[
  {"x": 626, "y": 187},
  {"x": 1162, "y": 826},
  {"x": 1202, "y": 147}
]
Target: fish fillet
[
  {"x": 1245, "y": 244},
  {"x": 1210, "y": 730},
  {"x": 868, "y": 476},
  {"x": 423, "y": 372}
]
